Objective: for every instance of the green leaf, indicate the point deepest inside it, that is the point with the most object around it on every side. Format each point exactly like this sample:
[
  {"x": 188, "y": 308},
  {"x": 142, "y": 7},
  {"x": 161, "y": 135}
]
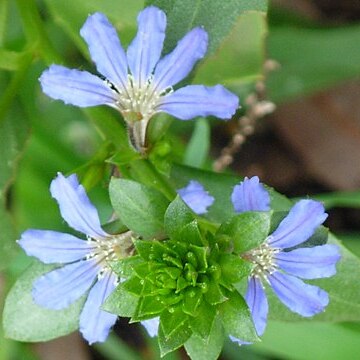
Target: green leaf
[
  {"x": 176, "y": 333},
  {"x": 192, "y": 300},
  {"x": 141, "y": 208},
  {"x": 209, "y": 348},
  {"x": 246, "y": 230},
  {"x": 220, "y": 186},
  {"x": 204, "y": 320},
  {"x": 125, "y": 267},
  {"x": 171, "y": 321},
  {"x": 177, "y": 215},
  {"x": 236, "y": 318},
  {"x": 233, "y": 268},
  {"x": 198, "y": 147},
  {"x": 12, "y": 60},
  {"x": 217, "y": 17},
  {"x": 148, "y": 307},
  {"x": 133, "y": 285},
  {"x": 121, "y": 302},
  {"x": 249, "y": 51},
  {"x": 214, "y": 295},
  {"x": 23, "y": 320}
]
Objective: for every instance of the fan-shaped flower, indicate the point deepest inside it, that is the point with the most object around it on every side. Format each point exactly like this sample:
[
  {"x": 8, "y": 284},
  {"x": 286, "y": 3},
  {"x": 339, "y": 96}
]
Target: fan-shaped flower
[
  {"x": 147, "y": 88},
  {"x": 282, "y": 268},
  {"x": 84, "y": 262}
]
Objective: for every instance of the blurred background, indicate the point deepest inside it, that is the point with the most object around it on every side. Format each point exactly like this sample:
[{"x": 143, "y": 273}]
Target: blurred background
[{"x": 297, "y": 71}]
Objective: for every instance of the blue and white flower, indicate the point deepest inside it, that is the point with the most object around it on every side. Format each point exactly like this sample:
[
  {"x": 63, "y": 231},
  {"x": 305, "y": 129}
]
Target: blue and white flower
[
  {"x": 85, "y": 268},
  {"x": 282, "y": 269},
  {"x": 138, "y": 83}
]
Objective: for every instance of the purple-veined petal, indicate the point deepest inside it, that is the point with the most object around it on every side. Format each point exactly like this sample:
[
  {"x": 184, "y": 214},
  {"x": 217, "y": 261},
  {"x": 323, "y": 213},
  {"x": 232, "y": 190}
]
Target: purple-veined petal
[
  {"x": 300, "y": 224},
  {"x": 95, "y": 324},
  {"x": 177, "y": 65},
  {"x": 54, "y": 247},
  {"x": 75, "y": 206},
  {"x": 196, "y": 197},
  {"x": 304, "y": 299},
  {"x": 75, "y": 87},
  {"x": 151, "y": 326},
  {"x": 310, "y": 263},
  {"x": 257, "y": 302},
  {"x": 145, "y": 50},
  {"x": 61, "y": 287},
  {"x": 105, "y": 49},
  {"x": 250, "y": 195},
  {"x": 199, "y": 100}
]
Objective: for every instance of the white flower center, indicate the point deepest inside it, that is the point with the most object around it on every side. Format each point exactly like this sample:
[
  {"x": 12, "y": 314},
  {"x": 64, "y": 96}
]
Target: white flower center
[
  {"x": 110, "y": 248},
  {"x": 139, "y": 101},
  {"x": 263, "y": 259}
]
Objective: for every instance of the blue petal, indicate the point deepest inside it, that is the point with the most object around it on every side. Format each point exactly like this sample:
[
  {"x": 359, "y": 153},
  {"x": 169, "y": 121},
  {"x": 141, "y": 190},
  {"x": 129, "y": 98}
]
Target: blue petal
[
  {"x": 105, "y": 49},
  {"x": 250, "y": 195},
  {"x": 75, "y": 87},
  {"x": 199, "y": 100},
  {"x": 310, "y": 263},
  {"x": 196, "y": 197},
  {"x": 300, "y": 224},
  {"x": 54, "y": 247},
  {"x": 95, "y": 324},
  {"x": 151, "y": 326},
  {"x": 257, "y": 302},
  {"x": 61, "y": 287},
  {"x": 75, "y": 206},
  {"x": 178, "y": 64},
  {"x": 306, "y": 300},
  {"x": 145, "y": 50}
]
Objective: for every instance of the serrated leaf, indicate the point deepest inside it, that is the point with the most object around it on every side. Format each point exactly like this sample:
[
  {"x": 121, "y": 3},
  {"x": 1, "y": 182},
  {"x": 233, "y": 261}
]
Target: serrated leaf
[
  {"x": 141, "y": 208},
  {"x": 172, "y": 321},
  {"x": 246, "y": 230},
  {"x": 203, "y": 322},
  {"x": 23, "y": 320},
  {"x": 208, "y": 348},
  {"x": 177, "y": 215},
  {"x": 121, "y": 302},
  {"x": 192, "y": 300},
  {"x": 236, "y": 318}
]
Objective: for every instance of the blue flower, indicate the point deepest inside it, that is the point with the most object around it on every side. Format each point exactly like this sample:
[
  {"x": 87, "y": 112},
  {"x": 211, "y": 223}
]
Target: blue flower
[
  {"x": 148, "y": 87},
  {"x": 85, "y": 262},
  {"x": 196, "y": 197},
  {"x": 280, "y": 268}
]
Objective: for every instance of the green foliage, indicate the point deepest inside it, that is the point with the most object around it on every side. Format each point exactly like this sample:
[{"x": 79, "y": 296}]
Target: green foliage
[
  {"x": 129, "y": 198},
  {"x": 23, "y": 320}
]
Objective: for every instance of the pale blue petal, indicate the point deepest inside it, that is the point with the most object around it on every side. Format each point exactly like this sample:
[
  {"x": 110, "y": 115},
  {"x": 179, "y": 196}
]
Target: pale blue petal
[
  {"x": 177, "y": 65},
  {"x": 199, "y": 100},
  {"x": 105, "y": 49},
  {"x": 196, "y": 197},
  {"x": 54, "y": 247},
  {"x": 145, "y": 50},
  {"x": 61, "y": 287},
  {"x": 310, "y": 263},
  {"x": 300, "y": 224},
  {"x": 257, "y": 302},
  {"x": 151, "y": 326},
  {"x": 250, "y": 195},
  {"x": 75, "y": 206},
  {"x": 95, "y": 324},
  {"x": 75, "y": 87},
  {"x": 306, "y": 300}
]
